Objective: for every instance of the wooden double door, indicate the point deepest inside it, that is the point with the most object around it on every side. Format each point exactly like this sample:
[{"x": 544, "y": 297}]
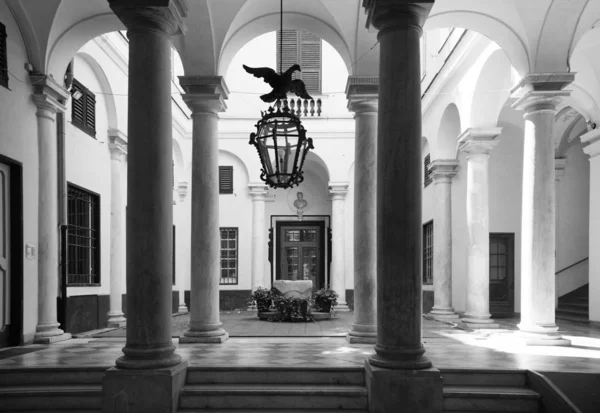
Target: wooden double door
[
  {"x": 301, "y": 252},
  {"x": 502, "y": 284}
]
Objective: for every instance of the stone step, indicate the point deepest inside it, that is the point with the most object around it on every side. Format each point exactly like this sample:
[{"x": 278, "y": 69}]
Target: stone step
[
  {"x": 574, "y": 306},
  {"x": 568, "y": 312},
  {"x": 276, "y": 375},
  {"x": 272, "y": 396},
  {"x": 83, "y": 397},
  {"x": 276, "y": 410},
  {"x": 573, "y": 319},
  {"x": 469, "y": 377},
  {"x": 51, "y": 375},
  {"x": 490, "y": 399}
]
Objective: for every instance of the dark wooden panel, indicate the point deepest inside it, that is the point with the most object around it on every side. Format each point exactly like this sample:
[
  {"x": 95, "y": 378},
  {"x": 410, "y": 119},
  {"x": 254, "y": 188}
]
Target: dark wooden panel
[{"x": 82, "y": 313}]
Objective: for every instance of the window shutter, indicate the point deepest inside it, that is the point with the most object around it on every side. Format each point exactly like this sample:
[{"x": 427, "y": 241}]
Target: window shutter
[
  {"x": 90, "y": 111},
  {"x": 3, "y": 59},
  {"x": 226, "y": 179},
  {"x": 77, "y": 105},
  {"x": 310, "y": 57},
  {"x": 427, "y": 172},
  {"x": 83, "y": 110}
]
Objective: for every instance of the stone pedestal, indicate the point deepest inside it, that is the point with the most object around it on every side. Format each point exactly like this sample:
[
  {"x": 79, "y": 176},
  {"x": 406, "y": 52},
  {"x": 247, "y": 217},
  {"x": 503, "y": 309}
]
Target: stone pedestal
[
  {"x": 260, "y": 278},
  {"x": 478, "y": 143},
  {"x": 399, "y": 193},
  {"x": 49, "y": 97},
  {"x": 143, "y": 391},
  {"x": 404, "y": 390},
  {"x": 337, "y": 283},
  {"x": 443, "y": 170},
  {"x": 205, "y": 97},
  {"x": 149, "y": 188},
  {"x": 118, "y": 149},
  {"x": 538, "y": 95},
  {"x": 591, "y": 142},
  {"x": 362, "y": 93},
  {"x": 183, "y": 262}
]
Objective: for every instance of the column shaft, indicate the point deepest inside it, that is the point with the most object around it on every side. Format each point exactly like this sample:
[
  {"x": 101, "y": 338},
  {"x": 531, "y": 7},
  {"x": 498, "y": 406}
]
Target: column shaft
[
  {"x": 338, "y": 269},
  {"x": 399, "y": 232},
  {"x": 259, "y": 238},
  {"x": 149, "y": 202},
  {"x": 183, "y": 259}
]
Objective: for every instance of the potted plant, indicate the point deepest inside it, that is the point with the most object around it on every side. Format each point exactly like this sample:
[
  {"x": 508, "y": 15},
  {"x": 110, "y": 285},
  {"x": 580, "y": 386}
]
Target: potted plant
[
  {"x": 325, "y": 299},
  {"x": 263, "y": 298}
]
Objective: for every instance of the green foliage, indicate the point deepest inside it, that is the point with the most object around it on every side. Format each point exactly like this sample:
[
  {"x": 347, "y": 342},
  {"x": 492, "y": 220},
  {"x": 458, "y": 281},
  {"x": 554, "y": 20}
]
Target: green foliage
[
  {"x": 325, "y": 299},
  {"x": 262, "y": 297},
  {"x": 291, "y": 309}
]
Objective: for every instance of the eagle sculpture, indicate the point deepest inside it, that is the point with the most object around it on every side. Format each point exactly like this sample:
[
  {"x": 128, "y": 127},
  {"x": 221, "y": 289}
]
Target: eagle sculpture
[{"x": 281, "y": 83}]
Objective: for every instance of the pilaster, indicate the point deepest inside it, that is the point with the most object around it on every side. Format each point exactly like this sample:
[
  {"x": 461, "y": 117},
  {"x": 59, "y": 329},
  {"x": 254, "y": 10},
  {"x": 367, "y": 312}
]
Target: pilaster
[
  {"x": 183, "y": 249},
  {"x": 260, "y": 277},
  {"x": 338, "y": 192}
]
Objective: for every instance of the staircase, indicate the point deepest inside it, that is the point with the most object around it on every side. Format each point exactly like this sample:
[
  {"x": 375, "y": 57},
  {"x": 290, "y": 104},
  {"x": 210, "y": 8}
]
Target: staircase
[
  {"x": 488, "y": 391},
  {"x": 326, "y": 389},
  {"x": 574, "y": 306},
  {"x": 52, "y": 389}
]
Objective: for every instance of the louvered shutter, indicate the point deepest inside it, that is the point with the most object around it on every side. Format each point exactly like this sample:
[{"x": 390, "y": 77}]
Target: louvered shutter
[
  {"x": 3, "y": 59},
  {"x": 226, "y": 179},
  {"x": 90, "y": 112},
  {"x": 77, "y": 105},
  {"x": 427, "y": 170},
  {"x": 288, "y": 55},
  {"x": 310, "y": 56},
  {"x": 83, "y": 110}
]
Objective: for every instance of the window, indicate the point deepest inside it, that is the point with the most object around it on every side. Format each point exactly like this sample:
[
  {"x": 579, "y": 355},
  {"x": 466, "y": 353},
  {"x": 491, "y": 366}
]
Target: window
[
  {"x": 226, "y": 179},
  {"x": 229, "y": 252},
  {"x": 83, "y": 108},
  {"x": 83, "y": 244},
  {"x": 427, "y": 171},
  {"x": 3, "y": 60},
  {"x": 428, "y": 253},
  {"x": 304, "y": 48}
]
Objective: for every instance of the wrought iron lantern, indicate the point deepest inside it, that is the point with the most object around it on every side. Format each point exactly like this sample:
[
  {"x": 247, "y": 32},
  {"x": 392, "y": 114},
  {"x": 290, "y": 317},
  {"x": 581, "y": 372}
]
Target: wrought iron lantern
[{"x": 282, "y": 145}]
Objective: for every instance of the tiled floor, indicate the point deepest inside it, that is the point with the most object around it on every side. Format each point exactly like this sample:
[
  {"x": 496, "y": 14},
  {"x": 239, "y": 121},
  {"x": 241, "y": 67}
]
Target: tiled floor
[{"x": 447, "y": 346}]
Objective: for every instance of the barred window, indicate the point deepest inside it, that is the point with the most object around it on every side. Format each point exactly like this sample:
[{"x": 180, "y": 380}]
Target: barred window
[
  {"x": 3, "y": 59},
  {"x": 427, "y": 171},
  {"x": 428, "y": 253},
  {"x": 83, "y": 248},
  {"x": 83, "y": 108},
  {"x": 229, "y": 256},
  {"x": 226, "y": 179}
]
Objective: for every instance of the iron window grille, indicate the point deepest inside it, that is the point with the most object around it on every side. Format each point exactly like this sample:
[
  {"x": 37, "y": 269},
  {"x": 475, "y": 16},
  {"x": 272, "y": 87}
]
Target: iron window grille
[
  {"x": 226, "y": 179},
  {"x": 83, "y": 109},
  {"x": 427, "y": 171},
  {"x": 428, "y": 253},
  {"x": 83, "y": 243},
  {"x": 3, "y": 58},
  {"x": 229, "y": 256}
]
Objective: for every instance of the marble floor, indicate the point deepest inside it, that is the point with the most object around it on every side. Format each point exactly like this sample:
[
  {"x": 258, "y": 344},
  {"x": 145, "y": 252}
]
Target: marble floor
[{"x": 447, "y": 345}]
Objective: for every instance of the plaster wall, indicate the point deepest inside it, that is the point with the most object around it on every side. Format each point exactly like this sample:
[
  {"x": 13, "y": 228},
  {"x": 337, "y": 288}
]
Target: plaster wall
[{"x": 594, "y": 238}]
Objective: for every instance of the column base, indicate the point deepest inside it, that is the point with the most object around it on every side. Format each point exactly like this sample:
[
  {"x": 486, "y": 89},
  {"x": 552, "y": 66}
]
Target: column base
[
  {"x": 49, "y": 333},
  {"x": 414, "y": 390},
  {"x": 116, "y": 319},
  {"x": 214, "y": 336},
  {"x": 536, "y": 335},
  {"x": 399, "y": 359},
  {"x": 153, "y": 390},
  {"x": 341, "y": 308},
  {"x": 152, "y": 358},
  {"x": 477, "y": 321},
  {"x": 444, "y": 313},
  {"x": 183, "y": 309},
  {"x": 362, "y": 334}
]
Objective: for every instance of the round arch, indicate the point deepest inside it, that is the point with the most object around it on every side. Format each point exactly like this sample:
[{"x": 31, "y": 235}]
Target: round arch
[
  {"x": 270, "y": 22},
  {"x": 445, "y": 145},
  {"x": 493, "y": 28},
  {"x": 317, "y": 165}
]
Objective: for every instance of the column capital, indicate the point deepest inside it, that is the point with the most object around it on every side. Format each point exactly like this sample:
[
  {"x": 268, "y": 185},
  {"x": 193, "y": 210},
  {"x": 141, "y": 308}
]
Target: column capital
[
  {"x": 338, "y": 190},
  {"x": 559, "y": 168},
  {"x": 162, "y": 15},
  {"x": 591, "y": 142},
  {"x": 204, "y": 94},
  {"x": 117, "y": 144},
  {"x": 443, "y": 170},
  {"x": 182, "y": 190},
  {"x": 386, "y": 14},
  {"x": 362, "y": 93},
  {"x": 541, "y": 91},
  {"x": 48, "y": 95},
  {"x": 258, "y": 191},
  {"x": 474, "y": 141}
]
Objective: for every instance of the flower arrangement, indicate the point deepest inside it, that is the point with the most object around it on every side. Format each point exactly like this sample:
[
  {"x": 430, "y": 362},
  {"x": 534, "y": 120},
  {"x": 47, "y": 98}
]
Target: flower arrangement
[
  {"x": 263, "y": 297},
  {"x": 325, "y": 299}
]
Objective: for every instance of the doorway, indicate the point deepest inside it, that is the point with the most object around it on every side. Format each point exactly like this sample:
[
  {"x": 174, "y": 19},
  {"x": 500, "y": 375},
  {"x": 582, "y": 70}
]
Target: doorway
[
  {"x": 502, "y": 275},
  {"x": 301, "y": 254}
]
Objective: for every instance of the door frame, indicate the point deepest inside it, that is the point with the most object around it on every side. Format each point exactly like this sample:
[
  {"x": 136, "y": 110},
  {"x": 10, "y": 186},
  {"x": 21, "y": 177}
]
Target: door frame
[
  {"x": 510, "y": 236},
  {"x": 16, "y": 250},
  {"x": 312, "y": 220}
]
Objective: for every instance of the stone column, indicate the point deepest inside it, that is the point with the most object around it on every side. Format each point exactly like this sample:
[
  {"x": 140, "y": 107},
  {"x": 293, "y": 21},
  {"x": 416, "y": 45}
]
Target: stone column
[
  {"x": 49, "y": 97},
  {"x": 337, "y": 278},
  {"x": 149, "y": 185},
  {"x": 362, "y": 93},
  {"x": 442, "y": 170},
  {"x": 478, "y": 143},
  {"x": 260, "y": 278},
  {"x": 399, "y": 374},
  {"x": 537, "y": 95},
  {"x": 205, "y": 97},
  {"x": 183, "y": 263},
  {"x": 118, "y": 149},
  {"x": 591, "y": 146}
]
